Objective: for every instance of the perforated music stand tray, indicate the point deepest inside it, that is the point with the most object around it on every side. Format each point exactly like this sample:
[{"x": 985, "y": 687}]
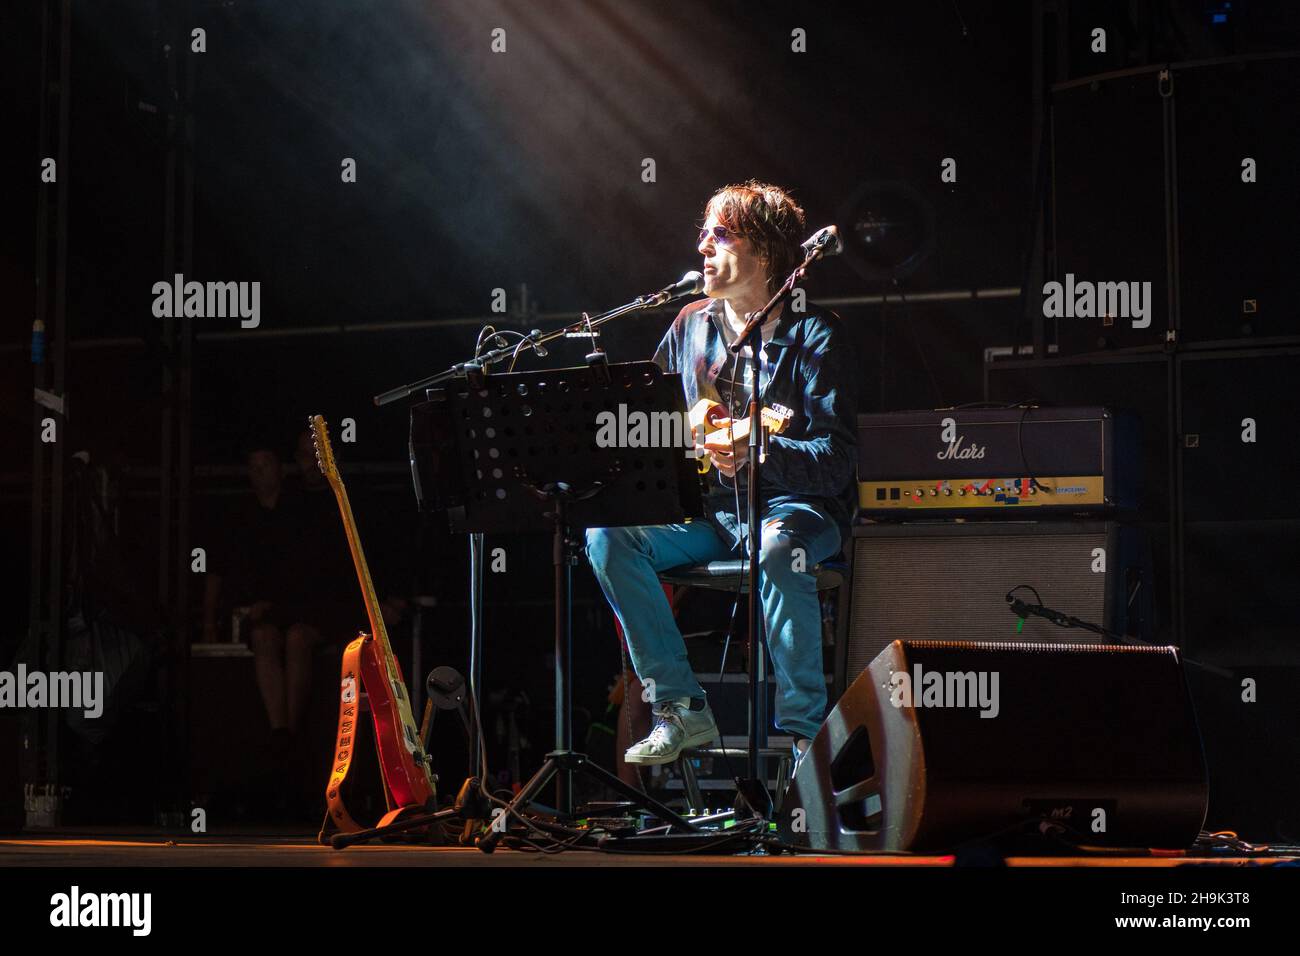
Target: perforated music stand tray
[{"x": 475, "y": 450}]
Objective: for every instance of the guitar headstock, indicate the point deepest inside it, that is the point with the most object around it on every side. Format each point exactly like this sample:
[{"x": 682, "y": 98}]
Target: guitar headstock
[
  {"x": 320, "y": 439},
  {"x": 777, "y": 418}
]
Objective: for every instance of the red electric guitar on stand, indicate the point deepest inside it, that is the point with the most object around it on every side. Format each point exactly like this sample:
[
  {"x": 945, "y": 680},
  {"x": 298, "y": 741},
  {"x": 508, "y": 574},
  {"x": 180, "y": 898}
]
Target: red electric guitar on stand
[{"x": 408, "y": 778}]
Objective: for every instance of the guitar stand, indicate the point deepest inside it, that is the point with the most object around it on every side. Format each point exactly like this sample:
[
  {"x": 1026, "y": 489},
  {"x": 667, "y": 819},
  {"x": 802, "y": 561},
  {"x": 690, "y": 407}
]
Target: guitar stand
[
  {"x": 465, "y": 807},
  {"x": 445, "y": 688}
]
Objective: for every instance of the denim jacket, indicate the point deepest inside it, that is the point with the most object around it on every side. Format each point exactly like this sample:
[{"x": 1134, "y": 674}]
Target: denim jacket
[{"x": 810, "y": 366}]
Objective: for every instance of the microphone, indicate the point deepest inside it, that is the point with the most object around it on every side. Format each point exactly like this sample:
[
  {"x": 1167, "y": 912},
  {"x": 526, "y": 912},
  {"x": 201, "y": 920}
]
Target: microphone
[
  {"x": 824, "y": 242},
  {"x": 690, "y": 284},
  {"x": 1022, "y": 610}
]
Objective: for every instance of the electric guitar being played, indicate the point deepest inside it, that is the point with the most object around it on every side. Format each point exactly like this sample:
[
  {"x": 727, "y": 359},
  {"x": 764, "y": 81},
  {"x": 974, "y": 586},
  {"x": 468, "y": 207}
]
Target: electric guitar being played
[
  {"x": 710, "y": 418},
  {"x": 408, "y": 777}
]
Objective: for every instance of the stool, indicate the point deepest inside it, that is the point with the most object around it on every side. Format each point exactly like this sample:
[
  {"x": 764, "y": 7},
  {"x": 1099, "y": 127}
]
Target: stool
[{"x": 733, "y": 575}]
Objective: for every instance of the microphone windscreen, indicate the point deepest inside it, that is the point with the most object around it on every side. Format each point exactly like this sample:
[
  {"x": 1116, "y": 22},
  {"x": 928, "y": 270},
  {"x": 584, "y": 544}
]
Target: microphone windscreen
[{"x": 827, "y": 240}]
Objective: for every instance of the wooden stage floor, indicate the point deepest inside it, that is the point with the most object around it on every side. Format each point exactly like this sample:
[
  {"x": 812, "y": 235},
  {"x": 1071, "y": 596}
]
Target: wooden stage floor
[{"x": 268, "y": 850}]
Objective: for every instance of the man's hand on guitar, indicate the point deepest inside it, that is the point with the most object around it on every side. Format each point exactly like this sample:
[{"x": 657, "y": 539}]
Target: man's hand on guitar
[
  {"x": 720, "y": 431},
  {"x": 727, "y": 457}
]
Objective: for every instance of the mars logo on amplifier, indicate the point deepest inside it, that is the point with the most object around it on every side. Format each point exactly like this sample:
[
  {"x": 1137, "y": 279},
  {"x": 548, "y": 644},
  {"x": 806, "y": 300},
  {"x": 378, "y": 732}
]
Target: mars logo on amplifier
[{"x": 954, "y": 451}]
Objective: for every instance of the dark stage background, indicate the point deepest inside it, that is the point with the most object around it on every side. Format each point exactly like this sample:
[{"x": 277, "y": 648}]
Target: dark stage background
[{"x": 478, "y": 171}]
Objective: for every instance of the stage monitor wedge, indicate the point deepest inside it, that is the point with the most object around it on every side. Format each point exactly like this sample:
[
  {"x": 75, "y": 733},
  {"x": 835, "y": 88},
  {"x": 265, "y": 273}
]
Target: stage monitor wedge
[{"x": 941, "y": 743}]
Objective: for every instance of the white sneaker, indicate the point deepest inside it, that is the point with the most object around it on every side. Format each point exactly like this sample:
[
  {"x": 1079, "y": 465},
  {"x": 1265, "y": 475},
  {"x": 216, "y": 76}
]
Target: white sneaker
[
  {"x": 676, "y": 727},
  {"x": 799, "y": 753}
]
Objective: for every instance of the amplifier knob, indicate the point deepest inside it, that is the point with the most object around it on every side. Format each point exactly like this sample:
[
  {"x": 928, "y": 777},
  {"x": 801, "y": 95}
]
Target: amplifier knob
[
  {"x": 947, "y": 492},
  {"x": 920, "y": 492},
  {"x": 961, "y": 492},
  {"x": 933, "y": 492}
]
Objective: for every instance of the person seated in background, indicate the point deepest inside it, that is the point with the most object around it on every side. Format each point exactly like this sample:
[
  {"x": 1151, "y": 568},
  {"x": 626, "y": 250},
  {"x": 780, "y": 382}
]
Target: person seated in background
[
  {"x": 282, "y": 562},
  {"x": 267, "y": 565}
]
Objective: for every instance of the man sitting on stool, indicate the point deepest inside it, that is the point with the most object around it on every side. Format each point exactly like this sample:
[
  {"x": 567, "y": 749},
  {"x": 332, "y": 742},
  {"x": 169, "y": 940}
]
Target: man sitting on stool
[{"x": 750, "y": 244}]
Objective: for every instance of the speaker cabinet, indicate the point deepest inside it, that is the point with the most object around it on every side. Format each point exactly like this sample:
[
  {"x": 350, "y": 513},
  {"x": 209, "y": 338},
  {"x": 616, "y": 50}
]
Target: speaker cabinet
[
  {"x": 1108, "y": 204},
  {"x": 1237, "y": 458},
  {"x": 949, "y": 582},
  {"x": 1189, "y": 202},
  {"x": 942, "y": 742},
  {"x": 1240, "y": 434},
  {"x": 1237, "y": 463},
  {"x": 1236, "y": 280},
  {"x": 1252, "y": 748}
]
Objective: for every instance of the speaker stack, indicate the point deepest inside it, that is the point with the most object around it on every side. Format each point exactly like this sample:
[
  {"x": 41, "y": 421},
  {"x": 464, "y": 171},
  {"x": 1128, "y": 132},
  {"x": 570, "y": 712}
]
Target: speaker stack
[
  {"x": 1187, "y": 206},
  {"x": 957, "y": 720},
  {"x": 962, "y": 506}
]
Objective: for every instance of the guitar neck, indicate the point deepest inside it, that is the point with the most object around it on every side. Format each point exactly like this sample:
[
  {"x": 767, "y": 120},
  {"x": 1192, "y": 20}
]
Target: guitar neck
[
  {"x": 741, "y": 427},
  {"x": 373, "y": 611},
  {"x": 739, "y": 430}
]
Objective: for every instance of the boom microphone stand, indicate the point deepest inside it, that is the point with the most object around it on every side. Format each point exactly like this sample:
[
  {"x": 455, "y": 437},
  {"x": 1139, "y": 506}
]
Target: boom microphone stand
[
  {"x": 752, "y": 796},
  {"x": 692, "y": 283},
  {"x": 1022, "y": 609}
]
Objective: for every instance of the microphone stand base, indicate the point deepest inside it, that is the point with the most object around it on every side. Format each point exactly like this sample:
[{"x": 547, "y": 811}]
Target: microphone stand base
[{"x": 753, "y": 800}]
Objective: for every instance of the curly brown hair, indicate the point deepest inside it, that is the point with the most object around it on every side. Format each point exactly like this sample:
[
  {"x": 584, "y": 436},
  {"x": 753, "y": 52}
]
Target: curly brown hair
[{"x": 768, "y": 217}]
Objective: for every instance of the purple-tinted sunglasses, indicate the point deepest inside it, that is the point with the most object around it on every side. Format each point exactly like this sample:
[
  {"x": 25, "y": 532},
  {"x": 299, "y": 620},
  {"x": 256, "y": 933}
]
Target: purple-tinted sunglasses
[{"x": 720, "y": 234}]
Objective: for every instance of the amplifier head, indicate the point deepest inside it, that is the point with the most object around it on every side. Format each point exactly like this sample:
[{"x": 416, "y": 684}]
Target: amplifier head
[{"x": 950, "y": 462}]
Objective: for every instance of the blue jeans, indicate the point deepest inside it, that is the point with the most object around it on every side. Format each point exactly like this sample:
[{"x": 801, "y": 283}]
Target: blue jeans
[{"x": 625, "y": 561}]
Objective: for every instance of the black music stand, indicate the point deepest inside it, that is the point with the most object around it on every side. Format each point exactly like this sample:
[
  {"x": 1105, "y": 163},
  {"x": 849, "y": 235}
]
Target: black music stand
[{"x": 520, "y": 452}]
